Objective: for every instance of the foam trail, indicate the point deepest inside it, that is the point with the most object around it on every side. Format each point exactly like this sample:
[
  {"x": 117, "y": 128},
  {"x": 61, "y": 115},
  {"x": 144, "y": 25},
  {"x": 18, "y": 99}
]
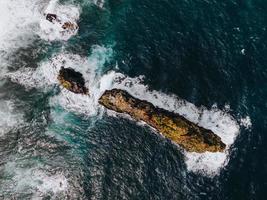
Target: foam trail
[
  {"x": 90, "y": 70},
  {"x": 38, "y": 179},
  {"x": 17, "y": 18},
  {"x": 219, "y": 121},
  {"x": 18, "y": 24},
  {"x": 8, "y": 118},
  {"x": 99, "y": 3},
  {"x": 54, "y": 31},
  {"x": 45, "y": 76},
  {"x": 246, "y": 122},
  {"x": 22, "y": 21},
  {"x": 51, "y": 6}
]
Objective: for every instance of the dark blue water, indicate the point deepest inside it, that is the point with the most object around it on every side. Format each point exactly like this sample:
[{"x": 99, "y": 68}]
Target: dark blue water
[
  {"x": 206, "y": 52},
  {"x": 193, "y": 49}
]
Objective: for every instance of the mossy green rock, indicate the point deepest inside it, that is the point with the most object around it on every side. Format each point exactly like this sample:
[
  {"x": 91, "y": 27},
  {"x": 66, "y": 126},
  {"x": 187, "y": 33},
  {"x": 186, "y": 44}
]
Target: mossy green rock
[{"x": 190, "y": 136}]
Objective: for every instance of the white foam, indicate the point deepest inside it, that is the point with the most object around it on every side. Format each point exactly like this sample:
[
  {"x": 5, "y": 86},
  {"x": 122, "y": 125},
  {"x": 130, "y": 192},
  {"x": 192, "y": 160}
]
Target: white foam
[
  {"x": 45, "y": 76},
  {"x": 54, "y": 31},
  {"x": 246, "y": 122},
  {"x": 219, "y": 121},
  {"x": 99, "y": 3},
  {"x": 17, "y": 18},
  {"x": 9, "y": 119},
  {"x": 91, "y": 70},
  {"x": 18, "y": 24},
  {"x": 21, "y": 20},
  {"x": 55, "y": 183},
  {"x": 39, "y": 180}
]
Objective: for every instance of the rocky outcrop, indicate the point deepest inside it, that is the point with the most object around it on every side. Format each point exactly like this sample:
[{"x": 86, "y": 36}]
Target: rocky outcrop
[
  {"x": 51, "y": 17},
  {"x": 190, "y": 136},
  {"x": 72, "y": 81},
  {"x": 69, "y": 26}
]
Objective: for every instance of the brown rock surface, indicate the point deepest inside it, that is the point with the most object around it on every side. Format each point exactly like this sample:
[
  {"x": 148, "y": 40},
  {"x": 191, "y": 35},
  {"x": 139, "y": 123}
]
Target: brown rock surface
[
  {"x": 51, "y": 17},
  {"x": 190, "y": 136},
  {"x": 69, "y": 26},
  {"x": 72, "y": 81}
]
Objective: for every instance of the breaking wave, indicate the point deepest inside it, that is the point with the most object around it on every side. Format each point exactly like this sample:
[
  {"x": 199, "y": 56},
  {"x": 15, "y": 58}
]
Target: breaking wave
[
  {"x": 9, "y": 119},
  {"x": 65, "y": 13},
  {"x": 23, "y": 21},
  {"x": 219, "y": 121},
  {"x": 18, "y": 24},
  {"x": 99, "y": 3}
]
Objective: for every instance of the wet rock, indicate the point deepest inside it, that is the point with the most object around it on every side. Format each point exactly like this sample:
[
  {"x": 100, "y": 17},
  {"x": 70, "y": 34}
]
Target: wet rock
[
  {"x": 69, "y": 26},
  {"x": 72, "y": 81},
  {"x": 51, "y": 17},
  {"x": 181, "y": 131}
]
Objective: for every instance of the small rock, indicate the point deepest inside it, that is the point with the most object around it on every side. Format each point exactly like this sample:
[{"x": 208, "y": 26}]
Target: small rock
[
  {"x": 72, "y": 81},
  {"x": 69, "y": 26},
  {"x": 51, "y": 17}
]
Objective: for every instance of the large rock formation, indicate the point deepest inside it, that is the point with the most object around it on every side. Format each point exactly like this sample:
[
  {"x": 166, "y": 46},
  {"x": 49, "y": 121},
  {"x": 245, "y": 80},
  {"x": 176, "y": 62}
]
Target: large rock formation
[
  {"x": 190, "y": 136},
  {"x": 72, "y": 80}
]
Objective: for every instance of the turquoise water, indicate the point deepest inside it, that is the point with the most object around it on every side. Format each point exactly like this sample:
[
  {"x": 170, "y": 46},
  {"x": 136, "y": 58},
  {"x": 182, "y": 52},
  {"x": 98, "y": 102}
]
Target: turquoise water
[{"x": 202, "y": 59}]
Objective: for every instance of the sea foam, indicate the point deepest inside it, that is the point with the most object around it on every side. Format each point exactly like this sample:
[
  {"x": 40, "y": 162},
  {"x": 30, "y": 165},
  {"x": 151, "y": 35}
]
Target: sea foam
[
  {"x": 23, "y": 21},
  {"x": 17, "y": 21},
  {"x": 37, "y": 179},
  {"x": 9, "y": 119},
  {"x": 218, "y": 120},
  {"x": 18, "y": 24},
  {"x": 54, "y": 31},
  {"x": 99, "y": 3}
]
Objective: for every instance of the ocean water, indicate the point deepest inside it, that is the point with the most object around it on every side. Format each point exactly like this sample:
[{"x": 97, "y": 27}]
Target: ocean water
[{"x": 202, "y": 59}]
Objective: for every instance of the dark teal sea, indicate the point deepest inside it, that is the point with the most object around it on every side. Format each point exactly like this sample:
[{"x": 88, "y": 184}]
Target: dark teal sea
[{"x": 206, "y": 52}]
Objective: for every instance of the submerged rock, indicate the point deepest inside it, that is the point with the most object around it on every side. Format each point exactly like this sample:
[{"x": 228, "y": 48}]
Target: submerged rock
[
  {"x": 72, "y": 81},
  {"x": 190, "y": 136}
]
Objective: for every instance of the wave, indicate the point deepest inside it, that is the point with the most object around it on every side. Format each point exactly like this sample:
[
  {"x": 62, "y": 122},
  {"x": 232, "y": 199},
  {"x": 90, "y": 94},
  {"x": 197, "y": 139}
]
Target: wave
[
  {"x": 219, "y": 121},
  {"x": 45, "y": 77},
  {"x": 17, "y": 20},
  {"x": 9, "y": 119},
  {"x": 99, "y": 3},
  {"x": 22, "y": 22},
  {"x": 36, "y": 180},
  {"x": 18, "y": 24},
  {"x": 54, "y": 31}
]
